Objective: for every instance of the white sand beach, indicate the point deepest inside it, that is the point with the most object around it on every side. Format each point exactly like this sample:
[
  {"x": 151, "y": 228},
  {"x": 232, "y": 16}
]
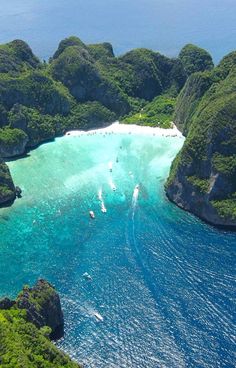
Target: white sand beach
[{"x": 117, "y": 127}]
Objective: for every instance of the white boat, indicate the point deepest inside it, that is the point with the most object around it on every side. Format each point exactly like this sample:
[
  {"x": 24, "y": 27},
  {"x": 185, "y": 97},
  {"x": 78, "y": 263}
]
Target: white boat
[
  {"x": 87, "y": 276},
  {"x": 136, "y": 192},
  {"x": 98, "y": 316},
  {"x": 91, "y": 214}
]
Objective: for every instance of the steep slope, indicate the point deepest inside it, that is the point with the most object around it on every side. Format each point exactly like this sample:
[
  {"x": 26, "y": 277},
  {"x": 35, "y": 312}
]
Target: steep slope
[
  {"x": 26, "y": 326},
  {"x": 195, "y": 59},
  {"x": 202, "y": 179},
  {"x": 17, "y": 57},
  {"x": 7, "y": 188}
]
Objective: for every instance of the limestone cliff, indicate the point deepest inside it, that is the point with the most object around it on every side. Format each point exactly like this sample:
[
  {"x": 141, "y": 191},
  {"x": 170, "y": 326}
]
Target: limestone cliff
[
  {"x": 7, "y": 188},
  {"x": 26, "y": 326},
  {"x": 43, "y": 307},
  {"x": 12, "y": 142},
  {"x": 202, "y": 178}
]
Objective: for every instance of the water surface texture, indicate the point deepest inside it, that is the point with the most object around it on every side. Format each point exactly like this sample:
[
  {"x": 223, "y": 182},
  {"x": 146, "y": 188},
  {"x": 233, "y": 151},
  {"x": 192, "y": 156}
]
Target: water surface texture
[
  {"x": 165, "y": 26},
  {"x": 162, "y": 281}
]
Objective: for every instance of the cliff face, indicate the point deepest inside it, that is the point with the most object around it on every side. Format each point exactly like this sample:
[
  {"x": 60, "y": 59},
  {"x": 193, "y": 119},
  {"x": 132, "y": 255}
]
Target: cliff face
[
  {"x": 12, "y": 142},
  {"x": 7, "y": 188},
  {"x": 43, "y": 307},
  {"x": 202, "y": 178},
  {"x": 26, "y": 325}
]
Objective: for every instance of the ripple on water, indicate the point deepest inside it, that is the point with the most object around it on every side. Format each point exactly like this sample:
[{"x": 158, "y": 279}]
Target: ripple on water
[{"x": 163, "y": 281}]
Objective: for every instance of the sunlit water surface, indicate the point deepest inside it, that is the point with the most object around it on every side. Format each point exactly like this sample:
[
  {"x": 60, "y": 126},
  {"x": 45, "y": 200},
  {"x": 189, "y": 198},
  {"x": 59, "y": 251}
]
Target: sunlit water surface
[{"x": 163, "y": 282}]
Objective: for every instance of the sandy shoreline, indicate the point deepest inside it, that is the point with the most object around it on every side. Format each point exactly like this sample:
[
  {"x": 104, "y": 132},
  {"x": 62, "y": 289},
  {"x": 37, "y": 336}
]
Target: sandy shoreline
[{"x": 116, "y": 127}]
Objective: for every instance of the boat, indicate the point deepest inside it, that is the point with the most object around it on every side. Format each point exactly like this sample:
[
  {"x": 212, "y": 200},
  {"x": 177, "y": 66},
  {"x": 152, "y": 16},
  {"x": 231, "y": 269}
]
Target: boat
[
  {"x": 112, "y": 185},
  {"x": 110, "y": 166},
  {"x": 98, "y": 316},
  {"x": 91, "y": 214},
  {"x": 87, "y": 276}
]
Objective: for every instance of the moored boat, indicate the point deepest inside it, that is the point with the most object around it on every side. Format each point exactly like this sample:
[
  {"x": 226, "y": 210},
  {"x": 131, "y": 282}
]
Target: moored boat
[{"x": 91, "y": 214}]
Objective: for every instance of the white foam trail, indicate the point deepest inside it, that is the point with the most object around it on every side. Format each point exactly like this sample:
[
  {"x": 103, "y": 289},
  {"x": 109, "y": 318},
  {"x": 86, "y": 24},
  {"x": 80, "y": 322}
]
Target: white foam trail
[
  {"x": 103, "y": 208},
  {"x": 100, "y": 194},
  {"x": 112, "y": 185},
  {"x": 135, "y": 195}
]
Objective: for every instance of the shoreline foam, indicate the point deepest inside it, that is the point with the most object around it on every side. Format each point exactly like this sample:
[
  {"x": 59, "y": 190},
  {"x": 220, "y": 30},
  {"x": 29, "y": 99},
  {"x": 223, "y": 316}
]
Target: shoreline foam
[{"x": 120, "y": 128}]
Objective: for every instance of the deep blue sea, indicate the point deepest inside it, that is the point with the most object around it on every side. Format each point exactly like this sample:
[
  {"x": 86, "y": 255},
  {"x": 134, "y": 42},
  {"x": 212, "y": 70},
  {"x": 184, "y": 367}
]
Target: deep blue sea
[
  {"x": 162, "y": 25},
  {"x": 163, "y": 281}
]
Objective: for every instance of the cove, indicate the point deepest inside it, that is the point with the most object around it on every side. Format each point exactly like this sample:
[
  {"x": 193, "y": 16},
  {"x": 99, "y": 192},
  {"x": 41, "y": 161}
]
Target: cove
[{"x": 163, "y": 281}]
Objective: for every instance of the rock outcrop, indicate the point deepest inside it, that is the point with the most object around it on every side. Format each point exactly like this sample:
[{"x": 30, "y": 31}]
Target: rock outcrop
[
  {"x": 195, "y": 59},
  {"x": 43, "y": 307},
  {"x": 25, "y": 326},
  {"x": 7, "y": 188},
  {"x": 202, "y": 178},
  {"x": 12, "y": 142}
]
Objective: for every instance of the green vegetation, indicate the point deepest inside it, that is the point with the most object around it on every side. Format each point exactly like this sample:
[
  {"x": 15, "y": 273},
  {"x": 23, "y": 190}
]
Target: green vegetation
[
  {"x": 35, "y": 90},
  {"x": 195, "y": 59},
  {"x": 86, "y": 86},
  {"x": 225, "y": 164},
  {"x": 7, "y": 189},
  {"x": 38, "y": 127},
  {"x": 189, "y": 99},
  {"x": 101, "y": 51},
  {"x": 17, "y": 57},
  {"x": 226, "y": 208},
  {"x": 89, "y": 115},
  {"x": 207, "y": 108},
  {"x": 201, "y": 184},
  {"x": 11, "y": 137},
  {"x": 67, "y": 42},
  {"x": 157, "y": 113},
  {"x": 22, "y": 345},
  {"x": 26, "y": 326}
]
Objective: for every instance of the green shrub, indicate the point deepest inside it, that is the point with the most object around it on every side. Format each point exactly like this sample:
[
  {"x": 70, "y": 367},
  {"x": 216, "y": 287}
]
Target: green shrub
[{"x": 157, "y": 113}]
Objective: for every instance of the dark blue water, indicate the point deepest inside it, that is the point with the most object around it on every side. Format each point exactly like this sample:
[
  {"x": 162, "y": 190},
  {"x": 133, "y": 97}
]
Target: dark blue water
[
  {"x": 160, "y": 25},
  {"x": 163, "y": 281}
]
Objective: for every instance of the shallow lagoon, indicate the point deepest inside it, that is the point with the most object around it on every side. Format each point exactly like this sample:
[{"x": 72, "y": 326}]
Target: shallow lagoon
[{"x": 163, "y": 281}]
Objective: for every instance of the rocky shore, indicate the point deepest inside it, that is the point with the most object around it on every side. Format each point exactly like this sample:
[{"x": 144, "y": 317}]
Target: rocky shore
[{"x": 29, "y": 323}]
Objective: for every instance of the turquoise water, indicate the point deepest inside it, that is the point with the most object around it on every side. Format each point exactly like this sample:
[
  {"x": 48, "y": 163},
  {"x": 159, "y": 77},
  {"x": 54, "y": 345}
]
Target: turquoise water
[
  {"x": 160, "y": 25},
  {"x": 163, "y": 281}
]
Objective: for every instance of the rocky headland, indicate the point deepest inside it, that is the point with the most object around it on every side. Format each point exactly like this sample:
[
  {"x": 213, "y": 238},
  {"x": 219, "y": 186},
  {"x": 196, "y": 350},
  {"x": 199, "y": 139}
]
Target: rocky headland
[
  {"x": 202, "y": 178},
  {"x": 27, "y": 324}
]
